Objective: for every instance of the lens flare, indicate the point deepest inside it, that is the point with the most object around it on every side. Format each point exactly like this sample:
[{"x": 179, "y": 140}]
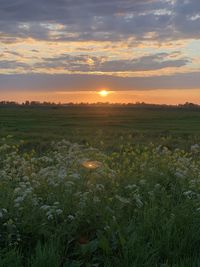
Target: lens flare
[{"x": 91, "y": 164}]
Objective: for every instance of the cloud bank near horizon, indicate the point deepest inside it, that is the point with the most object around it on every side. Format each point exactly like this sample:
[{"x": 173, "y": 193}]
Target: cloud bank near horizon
[{"x": 80, "y": 82}]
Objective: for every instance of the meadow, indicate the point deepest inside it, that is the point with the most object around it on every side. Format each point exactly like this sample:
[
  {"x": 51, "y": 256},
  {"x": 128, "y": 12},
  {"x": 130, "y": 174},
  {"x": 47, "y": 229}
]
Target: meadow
[
  {"x": 99, "y": 187},
  {"x": 39, "y": 125}
]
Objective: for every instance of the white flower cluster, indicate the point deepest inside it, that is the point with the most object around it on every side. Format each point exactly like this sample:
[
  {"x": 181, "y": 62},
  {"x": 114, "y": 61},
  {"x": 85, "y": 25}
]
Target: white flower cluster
[
  {"x": 48, "y": 188},
  {"x": 52, "y": 211},
  {"x": 72, "y": 183}
]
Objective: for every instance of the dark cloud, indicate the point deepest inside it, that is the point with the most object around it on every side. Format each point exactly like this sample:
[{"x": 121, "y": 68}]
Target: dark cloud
[
  {"x": 85, "y": 63},
  {"x": 99, "y": 20},
  {"x": 151, "y": 62},
  {"x": 53, "y": 83},
  {"x": 11, "y": 64},
  {"x": 184, "y": 14}
]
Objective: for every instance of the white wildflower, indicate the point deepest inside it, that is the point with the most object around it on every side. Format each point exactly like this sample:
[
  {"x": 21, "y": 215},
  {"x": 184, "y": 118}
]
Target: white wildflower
[
  {"x": 71, "y": 217},
  {"x": 59, "y": 211},
  {"x": 107, "y": 228},
  {"x": 5, "y": 210},
  {"x": 17, "y": 190},
  {"x": 139, "y": 203},
  {"x": 75, "y": 176},
  {"x": 123, "y": 199},
  {"x": 69, "y": 183},
  {"x": 45, "y": 207},
  {"x": 142, "y": 182},
  {"x": 131, "y": 186},
  {"x": 157, "y": 186},
  {"x": 96, "y": 199},
  {"x": 19, "y": 199},
  {"x": 50, "y": 217},
  {"x": 100, "y": 187},
  {"x": 179, "y": 174},
  {"x": 195, "y": 148}
]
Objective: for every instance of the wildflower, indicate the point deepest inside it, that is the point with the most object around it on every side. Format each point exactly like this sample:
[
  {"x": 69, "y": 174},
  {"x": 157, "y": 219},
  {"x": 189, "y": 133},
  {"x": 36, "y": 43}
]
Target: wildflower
[
  {"x": 19, "y": 199},
  {"x": 5, "y": 210},
  {"x": 195, "y": 148},
  {"x": 50, "y": 217},
  {"x": 123, "y": 199},
  {"x": 106, "y": 228},
  {"x": 142, "y": 181},
  {"x": 100, "y": 187},
  {"x": 131, "y": 186},
  {"x": 157, "y": 186},
  {"x": 75, "y": 176},
  {"x": 189, "y": 194},
  {"x": 59, "y": 211},
  {"x": 96, "y": 199},
  {"x": 25, "y": 178},
  {"x": 139, "y": 203},
  {"x": 45, "y": 207},
  {"x": 4, "y": 147},
  {"x": 17, "y": 190},
  {"x": 71, "y": 217},
  {"x": 69, "y": 184}
]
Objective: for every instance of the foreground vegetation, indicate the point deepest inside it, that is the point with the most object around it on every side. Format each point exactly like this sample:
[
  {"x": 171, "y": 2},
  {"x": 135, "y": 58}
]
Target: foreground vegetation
[{"x": 73, "y": 205}]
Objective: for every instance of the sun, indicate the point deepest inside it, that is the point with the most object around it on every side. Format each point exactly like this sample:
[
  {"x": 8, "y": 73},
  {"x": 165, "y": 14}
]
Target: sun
[{"x": 103, "y": 93}]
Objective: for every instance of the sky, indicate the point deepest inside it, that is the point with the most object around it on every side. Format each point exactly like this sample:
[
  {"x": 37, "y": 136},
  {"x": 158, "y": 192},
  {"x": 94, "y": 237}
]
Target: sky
[{"x": 68, "y": 50}]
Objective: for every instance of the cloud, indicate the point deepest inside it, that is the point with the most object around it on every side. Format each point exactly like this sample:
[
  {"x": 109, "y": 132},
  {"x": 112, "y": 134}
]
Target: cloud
[
  {"x": 78, "y": 82},
  {"x": 145, "y": 63},
  {"x": 67, "y": 20},
  {"x": 11, "y": 64},
  {"x": 86, "y": 63}
]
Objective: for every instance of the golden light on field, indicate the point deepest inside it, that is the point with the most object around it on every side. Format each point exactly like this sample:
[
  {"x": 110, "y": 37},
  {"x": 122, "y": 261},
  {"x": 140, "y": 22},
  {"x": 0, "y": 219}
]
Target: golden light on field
[{"x": 103, "y": 93}]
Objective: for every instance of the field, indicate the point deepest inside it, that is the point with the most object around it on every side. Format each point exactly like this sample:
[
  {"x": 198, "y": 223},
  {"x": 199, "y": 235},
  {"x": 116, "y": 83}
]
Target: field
[
  {"x": 99, "y": 187},
  {"x": 91, "y": 124}
]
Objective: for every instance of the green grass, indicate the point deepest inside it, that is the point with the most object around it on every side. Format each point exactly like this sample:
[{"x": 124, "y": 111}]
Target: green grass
[
  {"x": 47, "y": 122},
  {"x": 37, "y": 126}
]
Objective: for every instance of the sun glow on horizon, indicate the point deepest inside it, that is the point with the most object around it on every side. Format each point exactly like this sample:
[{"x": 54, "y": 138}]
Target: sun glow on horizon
[
  {"x": 103, "y": 93},
  {"x": 159, "y": 96}
]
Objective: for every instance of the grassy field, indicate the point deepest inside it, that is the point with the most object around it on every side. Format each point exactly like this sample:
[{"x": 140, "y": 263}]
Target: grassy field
[
  {"x": 88, "y": 124},
  {"x": 99, "y": 187}
]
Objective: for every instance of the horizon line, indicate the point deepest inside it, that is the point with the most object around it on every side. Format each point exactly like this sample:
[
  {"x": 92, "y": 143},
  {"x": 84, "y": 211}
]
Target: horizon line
[{"x": 33, "y": 102}]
